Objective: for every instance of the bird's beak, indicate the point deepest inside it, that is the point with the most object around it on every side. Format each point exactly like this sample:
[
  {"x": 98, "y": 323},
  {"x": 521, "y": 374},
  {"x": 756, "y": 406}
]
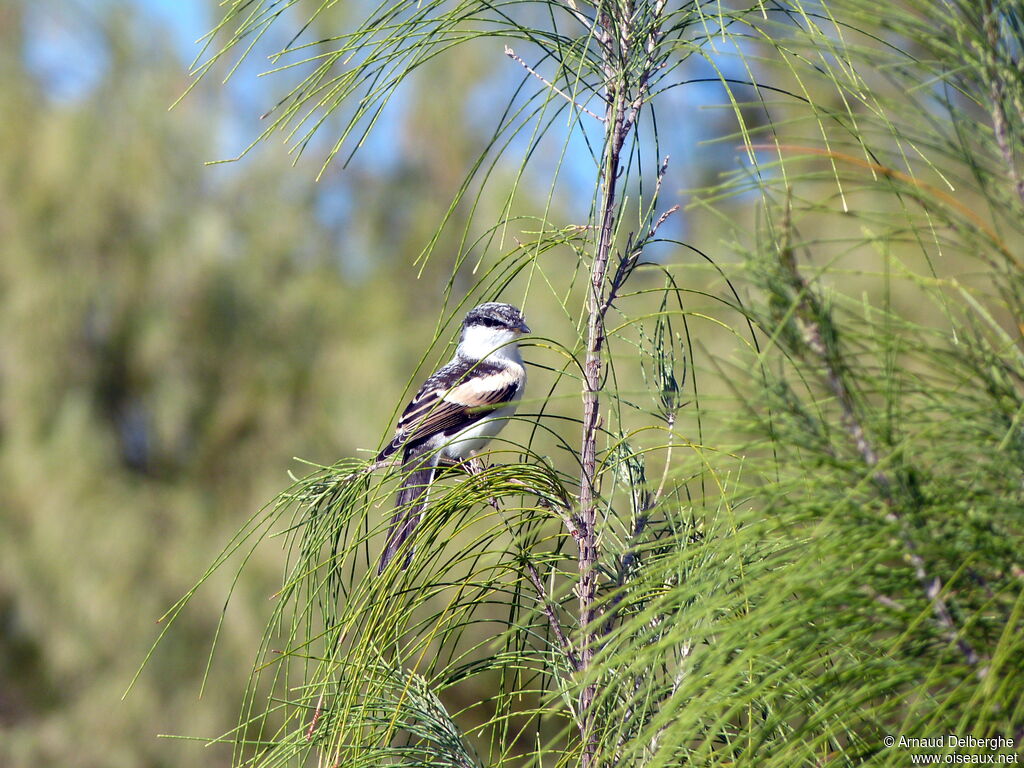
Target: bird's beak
[{"x": 523, "y": 327}]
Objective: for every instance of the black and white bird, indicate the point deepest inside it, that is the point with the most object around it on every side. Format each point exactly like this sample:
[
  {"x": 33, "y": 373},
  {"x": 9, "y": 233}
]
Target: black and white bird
[{"x": 457, "y": 411}]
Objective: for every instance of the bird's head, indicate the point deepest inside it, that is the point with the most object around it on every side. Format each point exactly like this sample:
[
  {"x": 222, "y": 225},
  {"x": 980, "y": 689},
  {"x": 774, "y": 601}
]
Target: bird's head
[{"x": 491, "y": 327}]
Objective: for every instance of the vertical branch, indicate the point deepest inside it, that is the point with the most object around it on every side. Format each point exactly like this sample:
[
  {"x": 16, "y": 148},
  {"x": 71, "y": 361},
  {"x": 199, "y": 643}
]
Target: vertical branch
[
  {"x": 613, "y": 31},
  {"x": 997, "y": 86},
  {"x": 810, "y": 315},
  {"x": 593, "y": 366},
  {"x": 615, "y": 136}
]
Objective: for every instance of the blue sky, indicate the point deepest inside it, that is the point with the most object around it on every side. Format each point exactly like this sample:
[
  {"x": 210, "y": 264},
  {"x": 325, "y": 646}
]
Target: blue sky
[
  {"x": 69, "y": 57},
  {"x": 187, "y": 19},
  {"x": 70, "y": 62}
]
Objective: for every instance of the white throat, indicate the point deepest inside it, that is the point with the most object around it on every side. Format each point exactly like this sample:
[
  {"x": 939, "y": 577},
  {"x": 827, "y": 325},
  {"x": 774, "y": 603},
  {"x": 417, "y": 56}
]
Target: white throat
[{"x": 480, "y": 341}]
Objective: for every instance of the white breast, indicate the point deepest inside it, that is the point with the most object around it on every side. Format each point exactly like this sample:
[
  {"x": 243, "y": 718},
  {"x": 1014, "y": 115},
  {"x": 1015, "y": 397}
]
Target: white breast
[{"x": 475, "y": 437}]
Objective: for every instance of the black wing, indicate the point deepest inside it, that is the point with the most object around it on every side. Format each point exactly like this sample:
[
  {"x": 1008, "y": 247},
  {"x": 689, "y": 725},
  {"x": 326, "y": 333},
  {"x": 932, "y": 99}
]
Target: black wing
[{"x": 453, "y": 398}]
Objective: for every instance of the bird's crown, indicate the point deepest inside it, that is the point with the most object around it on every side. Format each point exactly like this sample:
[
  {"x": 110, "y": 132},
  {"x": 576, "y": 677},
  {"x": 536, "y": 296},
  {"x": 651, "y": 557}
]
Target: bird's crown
[{"x": 495, "y": 314}]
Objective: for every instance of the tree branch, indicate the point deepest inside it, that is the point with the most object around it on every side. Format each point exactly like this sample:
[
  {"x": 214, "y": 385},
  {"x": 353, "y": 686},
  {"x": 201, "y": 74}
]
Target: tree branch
[
  {"x": 617, "y": 123},
  {"x": 1000, "y": 125},
  {"x": 808, "y": 313},
  {"x": 588, "y": 551}
]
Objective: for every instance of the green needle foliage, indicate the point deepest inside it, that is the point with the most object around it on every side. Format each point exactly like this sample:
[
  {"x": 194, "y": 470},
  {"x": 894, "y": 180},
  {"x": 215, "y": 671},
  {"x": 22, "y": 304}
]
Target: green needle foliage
[{"x": 786, "y": 520}]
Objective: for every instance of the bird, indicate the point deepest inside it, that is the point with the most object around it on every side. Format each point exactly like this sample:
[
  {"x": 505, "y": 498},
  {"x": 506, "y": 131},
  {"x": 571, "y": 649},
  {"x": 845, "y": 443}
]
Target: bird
[{"x": 456, "y": 412}]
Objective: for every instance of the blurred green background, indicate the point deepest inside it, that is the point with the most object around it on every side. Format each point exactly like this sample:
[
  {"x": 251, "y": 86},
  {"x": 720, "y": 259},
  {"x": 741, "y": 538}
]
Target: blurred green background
[{"x": 173, "y": 334}]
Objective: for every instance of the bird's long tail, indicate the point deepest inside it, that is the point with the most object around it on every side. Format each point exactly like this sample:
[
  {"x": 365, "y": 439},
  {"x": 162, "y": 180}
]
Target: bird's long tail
[{"x": 419, "y": 474}]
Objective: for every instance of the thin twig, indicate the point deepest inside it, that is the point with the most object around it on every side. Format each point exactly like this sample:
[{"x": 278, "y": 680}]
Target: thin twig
[
  {"x": 661, "y": 220},
  {"x": 888, "y": 602},
  {"x": 549, "y": 610},
  {"x": 629, "y": 262},
  {"x": 316, "y": 717},
  {"x": 582, "y": 18},
  {"x": 512, "y": 55},
  {"x": 475, "y": 467},
  {"x": 388, "y": 462},
  {"x": 633, "y": 252}
]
